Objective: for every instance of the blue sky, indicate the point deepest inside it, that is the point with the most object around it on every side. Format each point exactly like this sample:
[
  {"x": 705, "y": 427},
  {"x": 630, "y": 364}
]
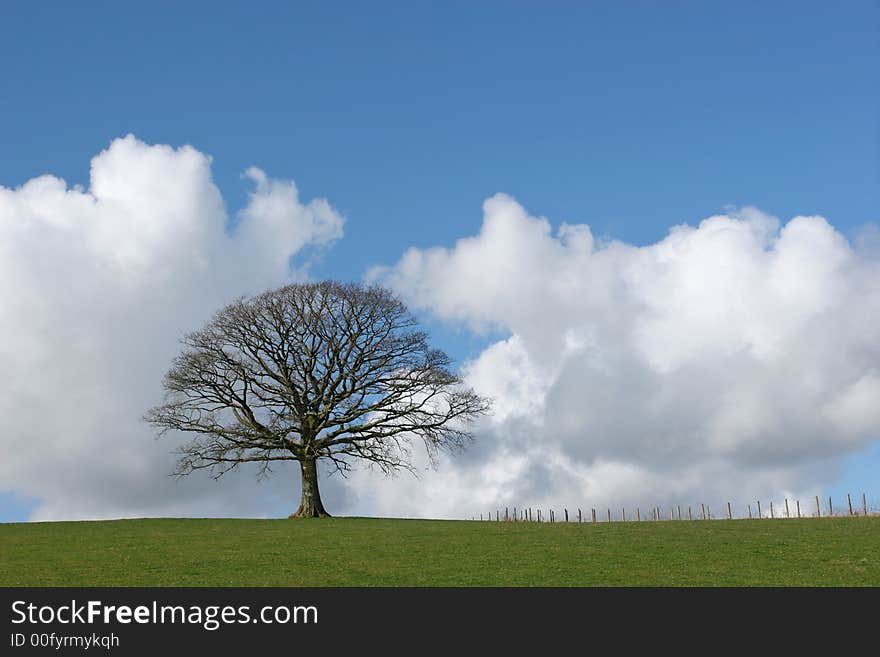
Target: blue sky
[{"x": 629, "y": 116}]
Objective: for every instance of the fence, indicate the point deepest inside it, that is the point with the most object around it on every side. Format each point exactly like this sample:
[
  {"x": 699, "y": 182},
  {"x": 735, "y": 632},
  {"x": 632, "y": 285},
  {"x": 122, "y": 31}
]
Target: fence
[{"x": 528, "y": 514}]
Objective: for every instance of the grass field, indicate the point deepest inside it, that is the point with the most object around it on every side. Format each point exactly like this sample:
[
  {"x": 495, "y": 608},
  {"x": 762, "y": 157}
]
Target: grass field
[{"x": 384, "y": 552}]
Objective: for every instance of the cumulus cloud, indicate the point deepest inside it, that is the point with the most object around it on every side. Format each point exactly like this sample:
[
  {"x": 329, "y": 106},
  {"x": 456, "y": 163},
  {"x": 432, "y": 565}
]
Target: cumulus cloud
[
  {"x": 735, "y": 359},
  {"x": 97, "y": 286}
]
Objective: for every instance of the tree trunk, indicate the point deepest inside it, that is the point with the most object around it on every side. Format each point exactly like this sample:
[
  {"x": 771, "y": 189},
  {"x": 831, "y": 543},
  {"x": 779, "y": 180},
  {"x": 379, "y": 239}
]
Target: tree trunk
[{"x": 310, "y": 506}]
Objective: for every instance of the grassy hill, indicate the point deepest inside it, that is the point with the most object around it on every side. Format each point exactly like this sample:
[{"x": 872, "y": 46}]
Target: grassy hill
[{"x": 386, "y": 552}]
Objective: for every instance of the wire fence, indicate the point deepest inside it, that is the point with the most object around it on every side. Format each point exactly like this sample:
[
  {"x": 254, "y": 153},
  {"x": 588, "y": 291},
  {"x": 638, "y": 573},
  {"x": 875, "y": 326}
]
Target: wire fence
[{"x": 815, "y": 508}]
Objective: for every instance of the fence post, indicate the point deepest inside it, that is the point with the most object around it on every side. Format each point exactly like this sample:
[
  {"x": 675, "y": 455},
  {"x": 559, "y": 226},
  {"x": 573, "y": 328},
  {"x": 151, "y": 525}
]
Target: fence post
[
  {"x": 497, "y": 518},
  {"x": 609, "y": 515},
  {"x": 594, "y": 516},
  {"x": 729, "y": 514},
  {"x": 759, "y": 509},
  {"x": 679, "y": 511},
  {"x": 708, "y": 513},
  {"x": 638, "y": 515},
  {"x": 798, "y": 508},
  {"x": 864, "y": 505},
  {"x": 818, "y": 509},
  {"x": 849, "y": 503},
  {"x": 750, "y": 511},
  {"x": 830, "y": 508},
  {"x": 786, "y": 508},
  {"x": 690, "y": 517},
  {"x": 702, "y": 511},
  {"x": 771, "y": 510},
  {"x": 566, "y": 514},
  {"x": 623, "y": 514}
]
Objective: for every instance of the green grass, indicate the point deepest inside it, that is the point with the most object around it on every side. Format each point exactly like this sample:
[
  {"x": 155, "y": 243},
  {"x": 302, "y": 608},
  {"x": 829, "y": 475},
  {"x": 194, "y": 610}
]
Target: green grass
[{"x": 384, "y": 552}]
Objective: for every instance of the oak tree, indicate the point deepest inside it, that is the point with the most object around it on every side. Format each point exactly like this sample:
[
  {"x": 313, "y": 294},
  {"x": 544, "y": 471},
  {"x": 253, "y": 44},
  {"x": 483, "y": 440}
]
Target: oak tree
[{"x": 313, "y": 372}]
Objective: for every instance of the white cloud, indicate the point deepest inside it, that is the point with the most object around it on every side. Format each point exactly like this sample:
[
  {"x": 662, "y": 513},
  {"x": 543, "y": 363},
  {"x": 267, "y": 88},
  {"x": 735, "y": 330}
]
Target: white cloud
[
  {"x": 268, "y": 219},
  {"x": 737, "y": 358},
  {"x": 97, "y": 287}
]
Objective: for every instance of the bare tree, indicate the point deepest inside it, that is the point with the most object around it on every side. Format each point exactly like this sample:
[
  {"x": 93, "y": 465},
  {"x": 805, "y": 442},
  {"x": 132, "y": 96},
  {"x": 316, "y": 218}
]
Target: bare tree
[{"x": 308, "y": 372}]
